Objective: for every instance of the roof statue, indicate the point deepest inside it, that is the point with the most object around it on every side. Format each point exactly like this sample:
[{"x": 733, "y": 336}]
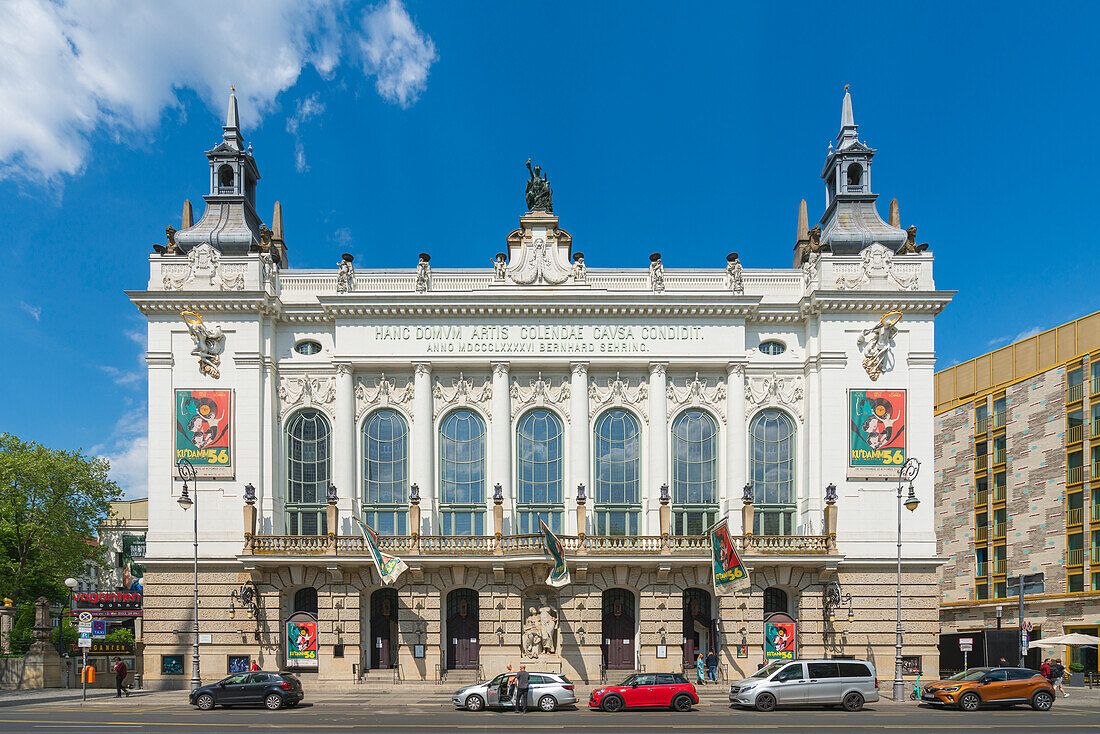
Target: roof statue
[{"x": 539, "y": 194}]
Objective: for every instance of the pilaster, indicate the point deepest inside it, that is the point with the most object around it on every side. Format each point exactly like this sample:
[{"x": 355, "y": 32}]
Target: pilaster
[
  {"x": 736, "y": 464},
  {"x": 580, "y": 429},
  {"x": 501, "y": 436},
  {"x": 344, "y": 435},
  {"x": 423, "y": 430},
  {"x": 658, "y": 443}
]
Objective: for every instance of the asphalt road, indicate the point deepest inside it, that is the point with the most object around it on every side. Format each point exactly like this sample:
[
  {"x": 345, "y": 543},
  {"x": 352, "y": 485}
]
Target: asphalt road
[{"x": 388, "y": 716}]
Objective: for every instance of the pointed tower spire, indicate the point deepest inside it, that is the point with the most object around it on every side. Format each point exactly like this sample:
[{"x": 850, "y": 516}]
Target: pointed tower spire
[
  {"x": 803, "y": 223},
  {"x": 188, "y": 216},
  {"x": 895, "y": 214},
  {"x": 848, "y": 124},
  {"x": 277, "y": 223},
  {"x": 232, "y": 127}
]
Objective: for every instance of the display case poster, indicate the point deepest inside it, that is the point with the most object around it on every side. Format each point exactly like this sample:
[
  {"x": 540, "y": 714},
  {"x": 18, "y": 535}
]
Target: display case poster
[
  {"x": 911, "y": 665},
  {"x": 876, "y": 432},
  {"x": 204, "y": 431},
  {"x": 301, "y": 643},
  {"x": 779, "y": 637}
]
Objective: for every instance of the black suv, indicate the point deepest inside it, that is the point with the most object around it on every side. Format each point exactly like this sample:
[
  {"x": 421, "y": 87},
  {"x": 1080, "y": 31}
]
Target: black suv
[{"x": 273, "y": 690}]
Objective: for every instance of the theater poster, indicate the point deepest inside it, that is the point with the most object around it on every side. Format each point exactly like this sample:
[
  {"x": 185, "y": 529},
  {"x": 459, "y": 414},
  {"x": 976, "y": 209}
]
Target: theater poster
[
  {"x": 780, "y": 637},
  {"x": 301, "y": 641},
  {"x": 204, "y": 431},
  {"x": 876, "y": 433}
]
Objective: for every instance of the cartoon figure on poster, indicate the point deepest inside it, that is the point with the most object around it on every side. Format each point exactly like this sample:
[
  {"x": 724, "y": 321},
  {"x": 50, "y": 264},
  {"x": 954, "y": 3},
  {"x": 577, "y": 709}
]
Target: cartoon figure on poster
[
  {"x": 301, "y": 640},
  {"x": 877, "y": 428},
  {"x": 779, "y": 641},
  {"x": 204, "y": 430}
]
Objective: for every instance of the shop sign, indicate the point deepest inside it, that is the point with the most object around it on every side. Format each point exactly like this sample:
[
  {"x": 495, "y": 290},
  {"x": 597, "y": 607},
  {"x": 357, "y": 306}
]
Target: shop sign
[
  {"x": 107, "y": 603},
  {"x": 780, "y": 637},
  {"x": 103, "y": 647}
]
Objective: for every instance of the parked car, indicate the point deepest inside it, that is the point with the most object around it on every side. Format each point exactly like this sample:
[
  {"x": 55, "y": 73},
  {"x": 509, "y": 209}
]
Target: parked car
[
  {"x": 977, "y": 687},
  {"x": 847, "y": 683},
  {"x": 273, "y": 690},
  {"x": 547, "y": 692},
  {"x": 668, "y": 690}
]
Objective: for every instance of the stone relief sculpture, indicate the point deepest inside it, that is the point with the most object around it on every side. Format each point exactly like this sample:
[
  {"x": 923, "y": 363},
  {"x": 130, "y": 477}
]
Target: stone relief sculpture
[
  {"x": 267, "y": 268},
  {"x": 877, "y": 264},
  {"x": 345, "y": 277},
  {"x": 307, "y": 391},
  {"x": 540, "y": 392},
  {"x": 461, "y": 392},
  {"x": 383, "y": 392},
  {"x": 696, "y": 392},
  {"x": 735, "y": 279},
  {"x": 656, "y": 273},
  {"x": 540, "y": 629},
  {"x": 423, "y": 273},
  {"x": 775, "y": 391},
  {"x": 539, "y": 265},
  {"x": 538, "y": 193},
  {"x": 203, "y": 266},
  {"x": 580, "y": 272},
  {"x": 810, "y": 268},
  {"x": 209, "y": 344},
  {"x": 619, "y": 392},
  {"x": 876, "y": 342}
]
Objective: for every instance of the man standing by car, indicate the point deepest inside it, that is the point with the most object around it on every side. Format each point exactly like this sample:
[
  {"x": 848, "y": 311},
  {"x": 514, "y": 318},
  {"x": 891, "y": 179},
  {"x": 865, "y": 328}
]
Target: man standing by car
[{"x": 523, "y": 679}]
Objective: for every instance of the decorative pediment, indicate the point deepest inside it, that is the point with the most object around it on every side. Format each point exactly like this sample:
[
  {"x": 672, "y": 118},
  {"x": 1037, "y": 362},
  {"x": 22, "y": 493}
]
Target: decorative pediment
[
  {"x": 618, "y": 392},
  {"x": 696, "y": 392},
  {"x": 539, "y": 392},
  {"x": 307, "y": 392},
  {"x": 203, "y": 270},
  {"x": 462, "y": 392},
  {"x": 539, "y": 252},
  {"x": 382, "y": 393},
  {"x": 774, "y": 391},
  {"x": 877, "y": 268}
]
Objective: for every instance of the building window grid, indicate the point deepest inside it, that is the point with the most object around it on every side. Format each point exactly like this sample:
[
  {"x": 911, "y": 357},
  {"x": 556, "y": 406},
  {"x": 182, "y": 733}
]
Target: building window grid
[
  {"x": 385, "y": 471},
  {"x": 462, "y": 473},
  {"x": 1075, "y": 389},
  {"x": 772, "y": 437},
  {"x": 617, "y": 458},
  {"x": 539, "y": 470},
  {"x": 981, "y": 418},
  {"x": 1094, "y": 382},
  {"x": 694, "y": 472},
  {"x": 308, "y": 471},
  {"x": 1000, "y": 488},
  {"x": 1000, "y": 412},
  {"x": 1000, "y": 450}
]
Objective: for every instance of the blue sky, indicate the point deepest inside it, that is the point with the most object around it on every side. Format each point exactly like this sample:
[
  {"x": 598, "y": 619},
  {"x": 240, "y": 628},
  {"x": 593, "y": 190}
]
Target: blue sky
[{"x": 386, "y": 129}]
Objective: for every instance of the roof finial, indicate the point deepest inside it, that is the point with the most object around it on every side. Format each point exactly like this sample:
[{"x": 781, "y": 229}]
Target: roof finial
[
  {"x": 847, "y": 119},
  {"x": 234, "y": 89},
  {"x": 845, "y": 87}
]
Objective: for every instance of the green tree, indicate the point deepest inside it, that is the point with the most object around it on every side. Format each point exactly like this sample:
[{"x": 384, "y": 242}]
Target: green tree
[{"x": 51, "y": 504}]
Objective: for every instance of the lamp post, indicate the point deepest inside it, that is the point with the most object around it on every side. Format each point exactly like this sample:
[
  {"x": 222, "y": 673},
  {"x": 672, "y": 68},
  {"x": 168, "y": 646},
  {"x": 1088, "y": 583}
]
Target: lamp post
[
  {"x": 907, "y": 473},
  {"x": 72, "y": 584},
  {"x": 187, "y": 473}
]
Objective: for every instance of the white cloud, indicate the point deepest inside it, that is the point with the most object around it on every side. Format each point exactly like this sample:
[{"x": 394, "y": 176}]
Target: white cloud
[
  {"x": 122, "y": 377},
  {"x": 343, "y": 237},
  {"x": 1013, "y": 339},
  {"x": 307, "y": 109},
  {"x": 127, "y": 450},
  {"x": 396, "y": 52},
  {"x": 75, "y": 67},
  {"x": 34, "y": 311}
]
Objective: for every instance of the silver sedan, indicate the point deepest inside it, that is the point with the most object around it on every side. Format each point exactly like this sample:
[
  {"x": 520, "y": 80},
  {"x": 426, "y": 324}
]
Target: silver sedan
[{"x": 547, "y": 692}]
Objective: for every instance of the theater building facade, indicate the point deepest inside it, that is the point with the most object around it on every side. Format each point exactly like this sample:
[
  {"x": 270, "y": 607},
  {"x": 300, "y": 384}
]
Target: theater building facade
[{"x": 628, "y": 407}]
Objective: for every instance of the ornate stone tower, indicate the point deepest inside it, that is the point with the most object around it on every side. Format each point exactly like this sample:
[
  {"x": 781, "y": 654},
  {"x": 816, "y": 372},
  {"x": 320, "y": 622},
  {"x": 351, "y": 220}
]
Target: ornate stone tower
[{"x": 851, "y": 222}]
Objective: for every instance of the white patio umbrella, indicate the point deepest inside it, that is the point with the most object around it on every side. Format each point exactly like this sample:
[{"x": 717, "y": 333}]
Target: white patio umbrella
[{"x": 1073, "y": 639}]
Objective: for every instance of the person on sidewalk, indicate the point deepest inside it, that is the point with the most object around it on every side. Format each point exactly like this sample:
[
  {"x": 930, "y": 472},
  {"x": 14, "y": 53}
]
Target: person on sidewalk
[
  {"x": 700, "y": 677},
  {"x": 254, "y": 667},
  {"x": 120, "y": 678},
  {"x": 712, "y": 666},
  {"x": 1045, "y": 668},
  {"x": 1058, "y": 677},
  {"x": 523, "y": 679}
]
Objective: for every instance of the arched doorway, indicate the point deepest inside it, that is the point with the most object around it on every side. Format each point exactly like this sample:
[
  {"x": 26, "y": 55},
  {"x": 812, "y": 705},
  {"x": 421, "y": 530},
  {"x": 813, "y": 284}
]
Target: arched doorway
[
  {"x": 383, "y": 628},
  {"x": 618, "y": 629},
  {"x": 462, "y": 630},
  {"x": 698, "y": 627}
]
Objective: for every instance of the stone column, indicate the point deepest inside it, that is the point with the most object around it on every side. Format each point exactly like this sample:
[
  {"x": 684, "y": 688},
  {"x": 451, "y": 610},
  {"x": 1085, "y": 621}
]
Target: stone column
[
  {"x": 501, "y": 436},
  {"x": 7, "y": 618},
  {"x": 423, "y": 430},
  {"x": 344, "y": 436},
  {"x": 658, "y": 444},
  {"x": 736, "y": 464},
  {"x": 580, "y": 437}
]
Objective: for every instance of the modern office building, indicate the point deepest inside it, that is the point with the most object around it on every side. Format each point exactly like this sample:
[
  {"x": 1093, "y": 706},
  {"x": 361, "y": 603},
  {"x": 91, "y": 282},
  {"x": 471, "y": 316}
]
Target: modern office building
[
  {"x": 628, "y": 407},
  {"x": 1018, "y": 487}
]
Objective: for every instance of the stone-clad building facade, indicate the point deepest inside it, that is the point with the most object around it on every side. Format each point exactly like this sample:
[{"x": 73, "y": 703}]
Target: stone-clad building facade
[
  {"x": 629, "y": 408},
  {"x": 1017, "y": 462}
]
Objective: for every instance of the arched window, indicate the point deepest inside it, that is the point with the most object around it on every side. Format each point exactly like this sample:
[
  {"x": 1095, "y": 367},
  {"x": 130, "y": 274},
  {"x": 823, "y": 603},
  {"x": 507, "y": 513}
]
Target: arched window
[
  {"x": 225, "y": 178},
  {"x": 539, "y": 470},
  {"x": 305, "y": 600},
  {"x": 462, "y": 473},
  {"x": 618, "y": 475},
  {"x": 694, "y": 472},
  {"x": 385, "y": 471},
  {"x": 772, "y": 470},
  {"x": 308, "y": 469},
  {"x": 855, "y": 177},
  {"x": 775, "y": 600}
]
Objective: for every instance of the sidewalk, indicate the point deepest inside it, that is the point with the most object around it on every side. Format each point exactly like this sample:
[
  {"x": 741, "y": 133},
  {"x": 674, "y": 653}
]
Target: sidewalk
[{"x": 52, "y": 695}]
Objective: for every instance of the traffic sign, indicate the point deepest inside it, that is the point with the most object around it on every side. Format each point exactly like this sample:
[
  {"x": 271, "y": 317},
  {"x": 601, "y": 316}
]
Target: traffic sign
[
  {"x": 84, "y": 627},
  {"x": 99, "y": 629},
  {"x": 966, "y": 644},
  {"x": 85, "y": 635},
  {"x": 84, "y": 642},
  {"x": 85, "y": 617}
]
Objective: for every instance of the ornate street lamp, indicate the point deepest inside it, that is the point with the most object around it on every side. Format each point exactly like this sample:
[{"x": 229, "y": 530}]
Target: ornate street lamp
[
  {"x": 907, "y": 473},
  {"x": 187, "y": 474}
]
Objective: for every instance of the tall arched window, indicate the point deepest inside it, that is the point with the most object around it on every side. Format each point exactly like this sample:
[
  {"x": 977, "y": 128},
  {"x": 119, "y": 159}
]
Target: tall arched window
[
  {"x": 308, "y": 469},
  {"x": 462, "y": 473},
  {"x": 618, "y": 473},
  {"x": 772, "y": 471},
  {"x": 385, "y": 471},
  {"x": 539, "y": 470},
  {"x": 775, "y": 600},
  {"x": 694, "y": 472},
  {"x": 305, "y": 600}
]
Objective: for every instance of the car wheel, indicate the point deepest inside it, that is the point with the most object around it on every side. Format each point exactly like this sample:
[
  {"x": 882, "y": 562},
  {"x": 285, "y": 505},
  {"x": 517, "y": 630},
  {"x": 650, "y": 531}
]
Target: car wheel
[
  {"x": 273, "y": 701},
  {"x": 1042, "y": 701},
  {"x": 765, "y": 702},
  {"x": 681, "y": 703},
  {"x": 205, "y": 702},
  {"x": 474, "y": 702},
  {"x": 969, "y": 702},
  {"x": 853, "y": 702},
  {"x": 548, "y": 703},
  {"x": 611, "y": 704}
]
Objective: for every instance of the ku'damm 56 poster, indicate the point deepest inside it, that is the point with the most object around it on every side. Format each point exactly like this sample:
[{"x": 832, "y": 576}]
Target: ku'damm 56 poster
[
  {"x": 204, "y": 431},
  {"x": 876, "y": 433}
]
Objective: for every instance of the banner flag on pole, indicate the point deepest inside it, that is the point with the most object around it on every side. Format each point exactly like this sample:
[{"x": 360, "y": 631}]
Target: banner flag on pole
[
  {"x": 389, "y": 567},
  {"x": 559, "y": 574},
  {"x": 730, "y": 575}
]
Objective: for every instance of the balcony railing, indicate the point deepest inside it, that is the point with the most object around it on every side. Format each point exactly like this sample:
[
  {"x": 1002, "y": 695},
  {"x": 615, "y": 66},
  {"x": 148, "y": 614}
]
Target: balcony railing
[
  {"x": 1075, "y": 434},
  {"x": 999, "y": 529},
  {"x": 1094, "y": 557},
  {"x": 1094, "y": 385},
  {"x": 1075, "y": 475},
  {"x": 1075, "y": 557},
  {"x": 1095, "y": 516},
  {"x": 998, "y": 493},
  {"x": 1095, "y": 471},
  {"x": 1095, "y": 432},
  {"x": 981, "y": 462},
  {"x": 999, "y": 566},
  {"x": 1075, "y": 392},
  {"x": 981, "y": 498},
  {"x": 1075, "y": 516},
  {"x": 518, "y": 545},
  {"x": 999, "y": 456},
  {"x": 981, "y": 570},
  {"x": 999, "y": 419},
  {"x": 982, "y": 533},
  {"x": 981, "y": 426}
]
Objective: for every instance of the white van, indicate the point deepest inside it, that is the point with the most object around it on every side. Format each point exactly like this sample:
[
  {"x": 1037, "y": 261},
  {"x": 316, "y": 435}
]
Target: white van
[{"x": 847, "y": 683}]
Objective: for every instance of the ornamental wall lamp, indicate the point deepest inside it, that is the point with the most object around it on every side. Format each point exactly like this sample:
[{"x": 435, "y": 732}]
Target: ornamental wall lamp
[
  {"x": 834, "y": 597},
  {"x": 247, "y": 597},
  {"x": 332, "y": 493},
  {"x": 580, "y": 494},
  {"x": 498, "y": 493},
  {"x": 249, "y": 494},
  {"x": 830, "y": 494},
  {"x": 414, "y": 494},
  {"x": 664, "y": 494},
  {"x": 746, "y": 494}
]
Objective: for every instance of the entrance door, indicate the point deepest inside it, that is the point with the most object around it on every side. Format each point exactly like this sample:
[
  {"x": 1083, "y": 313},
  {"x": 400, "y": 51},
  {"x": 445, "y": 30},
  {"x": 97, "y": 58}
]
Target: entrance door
[
  {"x": 383, "y": 628},
  {"x": 618, "y": 629},
  {"x": 462, "y": 630},
  {"x": 697, "y": 625}
]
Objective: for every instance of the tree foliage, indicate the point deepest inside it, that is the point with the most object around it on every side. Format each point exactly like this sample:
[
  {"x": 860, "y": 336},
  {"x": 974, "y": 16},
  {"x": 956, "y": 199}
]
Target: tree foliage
[{"x": 51, "y": 504}]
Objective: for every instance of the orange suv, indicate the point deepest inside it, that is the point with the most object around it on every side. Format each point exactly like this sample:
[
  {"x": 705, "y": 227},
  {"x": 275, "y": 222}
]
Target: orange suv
[{"x": 977, "y": 687}]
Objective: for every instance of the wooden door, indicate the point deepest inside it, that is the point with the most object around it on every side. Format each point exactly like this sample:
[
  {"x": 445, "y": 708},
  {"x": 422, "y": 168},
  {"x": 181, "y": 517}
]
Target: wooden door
[
  {"x": 462, "y": 630},
  {"x": 618, "y": 629},
  {"x": 383, "y": 628},
  {"x": 696, "y": 613}
]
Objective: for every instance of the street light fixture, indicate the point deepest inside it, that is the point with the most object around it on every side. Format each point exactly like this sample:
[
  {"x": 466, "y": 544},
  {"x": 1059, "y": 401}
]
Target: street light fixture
[
  {"x": 908, "y": 473},
  {"x": 187, "y": 474}
]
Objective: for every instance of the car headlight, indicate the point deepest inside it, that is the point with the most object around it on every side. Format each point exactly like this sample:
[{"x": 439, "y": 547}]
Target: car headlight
[
  {"x": 951, "y": 689},
  {"x": 749, "y": 687},
  {"x": 598, "y": 692}
]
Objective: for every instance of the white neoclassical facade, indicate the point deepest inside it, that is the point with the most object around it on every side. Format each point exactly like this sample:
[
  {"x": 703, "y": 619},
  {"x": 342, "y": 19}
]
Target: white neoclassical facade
[{"x": 629, "y": 407}]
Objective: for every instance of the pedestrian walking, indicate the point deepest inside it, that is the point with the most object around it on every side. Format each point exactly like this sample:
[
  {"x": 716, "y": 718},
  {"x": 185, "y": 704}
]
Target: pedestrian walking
[
  {"x": 712, "y": 666},
  {"x": 120, "y": 677},
  {"x": 255, "y": 666},
  {"x": 522, "y": 680},
  {"x": 1045, "y": 668},
  {"x": 1058, "y": 677},
  {"x": 700, "y": 678}
]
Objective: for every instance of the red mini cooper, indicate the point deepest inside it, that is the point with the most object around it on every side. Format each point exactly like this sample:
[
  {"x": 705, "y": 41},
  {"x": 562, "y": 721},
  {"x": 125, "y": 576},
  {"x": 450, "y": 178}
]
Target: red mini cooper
[{"x": 667, "y": 690}]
